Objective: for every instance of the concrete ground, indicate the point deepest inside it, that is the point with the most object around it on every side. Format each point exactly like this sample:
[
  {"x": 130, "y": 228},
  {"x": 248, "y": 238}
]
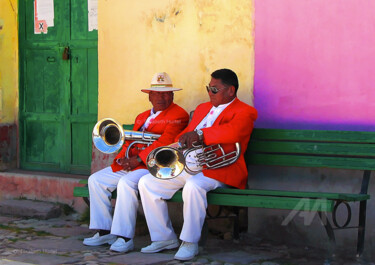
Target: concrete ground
[{"x": 36, "y": 233}]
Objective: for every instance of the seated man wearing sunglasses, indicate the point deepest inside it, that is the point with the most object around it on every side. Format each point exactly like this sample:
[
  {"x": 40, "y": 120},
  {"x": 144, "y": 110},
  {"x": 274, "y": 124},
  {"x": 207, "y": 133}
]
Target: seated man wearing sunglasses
[{"x": 224, "y": 120}]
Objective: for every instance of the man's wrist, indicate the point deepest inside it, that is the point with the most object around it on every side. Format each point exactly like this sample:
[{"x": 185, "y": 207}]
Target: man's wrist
[{"x": 200, "y": 134}]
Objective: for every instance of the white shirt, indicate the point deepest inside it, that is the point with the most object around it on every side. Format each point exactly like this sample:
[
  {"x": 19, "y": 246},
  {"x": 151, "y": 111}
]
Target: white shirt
[
  {"x": 150, "y": 119},
  {"x": 212, "y": 116}
]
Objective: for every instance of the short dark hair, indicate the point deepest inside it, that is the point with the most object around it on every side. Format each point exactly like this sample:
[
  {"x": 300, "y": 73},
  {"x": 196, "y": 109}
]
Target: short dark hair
[{"x": 227, "y": 77}]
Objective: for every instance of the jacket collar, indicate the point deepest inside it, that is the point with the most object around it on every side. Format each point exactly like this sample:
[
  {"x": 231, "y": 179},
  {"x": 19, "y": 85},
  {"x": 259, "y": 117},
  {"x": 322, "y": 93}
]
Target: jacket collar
[
  {"x": 229, "y": 108},
  {"x": 161, "y": 116},
  {"x": 206, "y": 108}
]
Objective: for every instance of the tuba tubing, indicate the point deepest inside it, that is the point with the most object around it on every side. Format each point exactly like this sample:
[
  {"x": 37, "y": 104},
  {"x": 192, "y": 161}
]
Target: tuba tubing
[
  {"x": 169, "y": 161},
  {"x": 109, "y": 136}
]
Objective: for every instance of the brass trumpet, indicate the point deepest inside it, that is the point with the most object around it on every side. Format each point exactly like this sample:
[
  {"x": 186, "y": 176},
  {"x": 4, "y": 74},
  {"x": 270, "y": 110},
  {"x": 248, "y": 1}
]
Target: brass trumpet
[
  {"x": 169, "y": 161},
  {"x": 109, "y": 136}
]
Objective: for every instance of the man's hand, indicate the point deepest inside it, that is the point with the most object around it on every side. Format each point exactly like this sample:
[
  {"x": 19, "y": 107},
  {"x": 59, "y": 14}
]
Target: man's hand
[
  {"x": 129, "y": 164},
  {"x": 187, "y": 139}
]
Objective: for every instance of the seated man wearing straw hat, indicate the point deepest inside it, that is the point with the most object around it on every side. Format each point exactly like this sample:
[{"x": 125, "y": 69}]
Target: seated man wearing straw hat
[{"x": 165, "y": 118}]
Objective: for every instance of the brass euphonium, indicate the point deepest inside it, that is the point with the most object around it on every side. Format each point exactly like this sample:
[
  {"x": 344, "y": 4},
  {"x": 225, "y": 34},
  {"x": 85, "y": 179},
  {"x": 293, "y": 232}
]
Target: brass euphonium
[
  {"x": 109, "y": 136},
  {"x": 169, "y": 161}
]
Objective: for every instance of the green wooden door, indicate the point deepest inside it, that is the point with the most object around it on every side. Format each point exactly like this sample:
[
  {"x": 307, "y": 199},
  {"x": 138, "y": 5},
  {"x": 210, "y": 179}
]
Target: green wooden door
[{"x": 58, "y": 89}]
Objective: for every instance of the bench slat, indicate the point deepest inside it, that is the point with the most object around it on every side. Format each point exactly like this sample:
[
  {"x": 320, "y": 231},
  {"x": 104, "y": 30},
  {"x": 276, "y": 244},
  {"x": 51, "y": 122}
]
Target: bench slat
[
  {"x": 84, "y": 192},
  {"x": 313, "y": 148},
  {"x": 299, "y": 194},
  {"x": 314, "y": 135},
  {"x": 286, "y": 203},
  {"x": 311, "y": 161},
  {"x": 305, "y": 204},
  {"x": 81, "y": 192}
]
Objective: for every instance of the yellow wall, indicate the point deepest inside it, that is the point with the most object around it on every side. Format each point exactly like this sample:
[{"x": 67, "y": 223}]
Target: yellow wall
[
  {"x": 187, "y": 39},
  {"x": 8, "y": 61}
]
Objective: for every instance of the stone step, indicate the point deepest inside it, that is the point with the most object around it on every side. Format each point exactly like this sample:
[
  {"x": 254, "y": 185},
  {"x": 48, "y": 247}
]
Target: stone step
[{"x": 30, "y": 209}]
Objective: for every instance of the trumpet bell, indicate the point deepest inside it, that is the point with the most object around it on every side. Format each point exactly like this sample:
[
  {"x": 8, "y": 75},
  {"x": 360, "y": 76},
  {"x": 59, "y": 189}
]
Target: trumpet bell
[
  {"x": 108, "y": 135},
  {"x": 165, "y": 162}
]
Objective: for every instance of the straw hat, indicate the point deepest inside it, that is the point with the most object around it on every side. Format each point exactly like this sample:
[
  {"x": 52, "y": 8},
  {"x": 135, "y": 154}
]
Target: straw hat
[{"x": 161, "y": 82}]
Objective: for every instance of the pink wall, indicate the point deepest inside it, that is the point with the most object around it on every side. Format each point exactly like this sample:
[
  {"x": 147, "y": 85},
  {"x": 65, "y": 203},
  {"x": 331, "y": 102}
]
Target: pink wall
[{"x": 315, "y": 64}]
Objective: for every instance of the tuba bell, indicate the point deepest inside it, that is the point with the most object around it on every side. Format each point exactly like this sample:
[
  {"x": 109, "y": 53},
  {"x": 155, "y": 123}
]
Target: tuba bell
[
  {"x": 109, "y": 136},
  {"x": 169, "y": 161}
]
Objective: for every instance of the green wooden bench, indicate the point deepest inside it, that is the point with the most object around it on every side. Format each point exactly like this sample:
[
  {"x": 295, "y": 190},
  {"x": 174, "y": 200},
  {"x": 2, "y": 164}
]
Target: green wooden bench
[{"x": 302, "y": 148}]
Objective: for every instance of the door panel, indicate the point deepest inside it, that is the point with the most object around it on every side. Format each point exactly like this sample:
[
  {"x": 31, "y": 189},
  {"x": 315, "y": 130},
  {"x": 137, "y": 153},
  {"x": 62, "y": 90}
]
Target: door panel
[
  {"x": 43, "y": 110},
  {"x": 42, "y": 89},
  {"x": 43, "y": 144},
  {"x": 84, "y": 107},
  {"x": 79, "y": 22},
  {"x": 81, "y": 133},
  {"x": 84, "y": 81}
]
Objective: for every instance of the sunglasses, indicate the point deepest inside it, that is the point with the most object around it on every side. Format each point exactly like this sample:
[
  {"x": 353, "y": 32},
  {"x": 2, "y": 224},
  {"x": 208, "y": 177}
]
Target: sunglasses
[{"x": 213, "y": 89}]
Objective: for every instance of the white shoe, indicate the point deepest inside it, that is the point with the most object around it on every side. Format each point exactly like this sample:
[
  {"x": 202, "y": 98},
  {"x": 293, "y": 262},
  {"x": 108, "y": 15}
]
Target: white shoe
[
  {"x": 98, "y": 240},
  {"x": 121, "y": 246},
  {"x": 187, "y": 251},
  {"x": 158, "y": 246}
]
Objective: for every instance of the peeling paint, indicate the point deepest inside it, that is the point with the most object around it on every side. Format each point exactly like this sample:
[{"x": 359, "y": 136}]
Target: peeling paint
[
  {"x": 10, "y": 3},
  {"x": 160, "y": 19},
  {"x": 100, "y": 160}
]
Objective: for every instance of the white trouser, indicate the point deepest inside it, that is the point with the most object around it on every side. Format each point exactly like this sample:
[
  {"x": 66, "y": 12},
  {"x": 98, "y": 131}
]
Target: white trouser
[
  {"x": 101, "y": 184},
  {"x": 155, "y": 191}
]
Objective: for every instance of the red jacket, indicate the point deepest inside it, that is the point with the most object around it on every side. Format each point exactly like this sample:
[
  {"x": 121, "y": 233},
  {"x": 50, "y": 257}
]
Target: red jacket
[
  {"x": 168, "y": 123},
  {"x": 234, "y": 124}
]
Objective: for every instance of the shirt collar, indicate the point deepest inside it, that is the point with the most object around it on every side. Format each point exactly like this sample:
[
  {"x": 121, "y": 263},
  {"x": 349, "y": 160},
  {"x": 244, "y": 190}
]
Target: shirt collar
[
  {"x": 153, "y": 113},
  {"x": 222, "y": 106}
]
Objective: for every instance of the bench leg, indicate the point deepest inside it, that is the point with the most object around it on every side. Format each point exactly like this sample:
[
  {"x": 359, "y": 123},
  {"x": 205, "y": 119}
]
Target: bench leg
[
  {"x": 234, "y": 215},
  {"x": 86, "y": 200},
  {"x": 361, "y": 228},
  {"x": 236, "y": 224},
  {"x": 330, "y": 233},
  {"x": 362, "y": 214}
]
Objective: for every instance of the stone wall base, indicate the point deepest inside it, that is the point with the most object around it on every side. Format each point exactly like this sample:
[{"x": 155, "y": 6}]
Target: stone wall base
[{"x": 35, "y": 186}]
